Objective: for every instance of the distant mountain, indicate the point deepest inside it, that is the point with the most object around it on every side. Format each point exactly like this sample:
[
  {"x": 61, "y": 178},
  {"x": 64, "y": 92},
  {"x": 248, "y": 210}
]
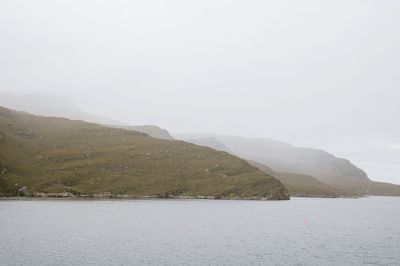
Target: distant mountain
[
  {"x": 61, "y": 106},
  {"x": 285, "y": 158},
  {"x": 60, "y": 157},
  {"x": 50, "y": 105}
]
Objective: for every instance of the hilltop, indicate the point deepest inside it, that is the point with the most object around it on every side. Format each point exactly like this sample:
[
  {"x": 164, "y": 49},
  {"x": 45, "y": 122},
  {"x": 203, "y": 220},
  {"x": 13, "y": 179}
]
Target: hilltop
[
  {"x": 51, "y": 105},
  {"x": 62, "y": 106},
  {"x": 58, "y": 155},
  {"x": 151, "y": 130},
  {"x": 210, "y": 142}
]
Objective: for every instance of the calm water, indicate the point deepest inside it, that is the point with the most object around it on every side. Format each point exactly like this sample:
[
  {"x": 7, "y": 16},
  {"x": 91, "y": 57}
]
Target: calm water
[{"x": 197, "y": 232}]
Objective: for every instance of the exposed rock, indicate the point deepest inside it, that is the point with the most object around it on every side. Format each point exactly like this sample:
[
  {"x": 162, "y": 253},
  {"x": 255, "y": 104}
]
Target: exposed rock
[{"x": 23, "y": 191}]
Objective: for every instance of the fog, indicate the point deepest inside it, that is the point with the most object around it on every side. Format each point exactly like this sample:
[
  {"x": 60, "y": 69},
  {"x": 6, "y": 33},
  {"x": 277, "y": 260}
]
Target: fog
[{"x": 321, "y": 74}]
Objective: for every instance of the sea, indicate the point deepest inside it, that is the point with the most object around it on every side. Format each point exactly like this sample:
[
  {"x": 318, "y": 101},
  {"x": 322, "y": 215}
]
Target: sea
[{"x": 300, "y": 231}]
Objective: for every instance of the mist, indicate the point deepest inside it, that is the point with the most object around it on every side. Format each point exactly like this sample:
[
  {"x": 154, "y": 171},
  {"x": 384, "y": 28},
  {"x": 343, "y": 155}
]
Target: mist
[{"x": 311, "y": 73}]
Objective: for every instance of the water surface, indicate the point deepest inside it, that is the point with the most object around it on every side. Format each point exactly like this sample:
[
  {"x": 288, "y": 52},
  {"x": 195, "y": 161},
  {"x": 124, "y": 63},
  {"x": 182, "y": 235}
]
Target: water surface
[{"x": 201, "y": 232}]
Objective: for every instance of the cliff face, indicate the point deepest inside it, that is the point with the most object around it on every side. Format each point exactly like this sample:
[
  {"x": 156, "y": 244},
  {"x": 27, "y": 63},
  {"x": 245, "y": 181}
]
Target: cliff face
[{"x": 61, "y": 156}]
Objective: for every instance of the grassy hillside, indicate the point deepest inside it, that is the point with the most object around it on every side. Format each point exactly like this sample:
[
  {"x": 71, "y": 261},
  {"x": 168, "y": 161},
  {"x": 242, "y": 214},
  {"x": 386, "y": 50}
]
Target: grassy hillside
[
  {"x": 283, "y": 157},
  {"x": 55, "y": 155},
  {"x": 301, "y": 185},
  {"x": 334, "y": 172}
]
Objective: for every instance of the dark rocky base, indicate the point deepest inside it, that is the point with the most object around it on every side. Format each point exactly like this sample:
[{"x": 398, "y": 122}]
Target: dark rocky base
[{"x": 106, "y": 195}]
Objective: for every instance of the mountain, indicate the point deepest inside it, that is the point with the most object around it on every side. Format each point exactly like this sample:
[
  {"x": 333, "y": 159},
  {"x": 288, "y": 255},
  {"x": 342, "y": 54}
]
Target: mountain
[
  {"x": 50, "y": 105},
  {"x": 334, "y": 172},
  {"x": 57, "y": 155}
]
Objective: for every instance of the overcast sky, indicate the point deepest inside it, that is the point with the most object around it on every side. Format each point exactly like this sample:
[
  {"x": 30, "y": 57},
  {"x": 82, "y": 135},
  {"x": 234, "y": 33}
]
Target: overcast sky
[{"x": 323, "y": 74}]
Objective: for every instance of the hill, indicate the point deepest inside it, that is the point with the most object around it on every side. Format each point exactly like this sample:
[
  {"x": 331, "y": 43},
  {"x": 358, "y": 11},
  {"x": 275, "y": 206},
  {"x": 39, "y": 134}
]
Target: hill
[
  {"x": 61, "y": 106},
  {"x": 57, "y": 155},
  {"x": 301, "y": 185},
  {"x": 334, "y": 172},
  {"x": 296, "y": 184}
]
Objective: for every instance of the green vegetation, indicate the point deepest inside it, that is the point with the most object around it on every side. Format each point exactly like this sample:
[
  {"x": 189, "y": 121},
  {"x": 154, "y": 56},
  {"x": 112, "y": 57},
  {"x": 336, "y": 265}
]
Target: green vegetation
[
  {"x": 320, "y": 173},
  {"x": 301, "y": 185},
  {"x": 57, "y": 155}
]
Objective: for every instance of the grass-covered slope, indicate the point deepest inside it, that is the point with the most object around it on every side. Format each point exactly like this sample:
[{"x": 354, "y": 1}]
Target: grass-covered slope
[
  {"x": 296, "y": 184},
  {"x": 55, "y": 155},
  {"x": 308, "y": 164},
  {"x": 301, "y": 185}
]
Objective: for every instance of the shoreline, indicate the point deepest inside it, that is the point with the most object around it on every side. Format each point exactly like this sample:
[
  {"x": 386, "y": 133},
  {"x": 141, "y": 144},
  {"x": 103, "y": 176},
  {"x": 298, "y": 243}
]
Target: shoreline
[
  {"x": 132, "y": 197},
  {"x": 102, "y": 198}
]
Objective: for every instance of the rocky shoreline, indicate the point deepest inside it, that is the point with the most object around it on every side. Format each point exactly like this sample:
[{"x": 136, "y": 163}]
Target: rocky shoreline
[
  {"x": 23, "y": 193},
  {"x": 107, "y": 195}
]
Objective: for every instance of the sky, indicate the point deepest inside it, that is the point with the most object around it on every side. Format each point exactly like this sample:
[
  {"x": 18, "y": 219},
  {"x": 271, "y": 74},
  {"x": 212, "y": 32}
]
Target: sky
[{"x": 322, "y": 74}]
